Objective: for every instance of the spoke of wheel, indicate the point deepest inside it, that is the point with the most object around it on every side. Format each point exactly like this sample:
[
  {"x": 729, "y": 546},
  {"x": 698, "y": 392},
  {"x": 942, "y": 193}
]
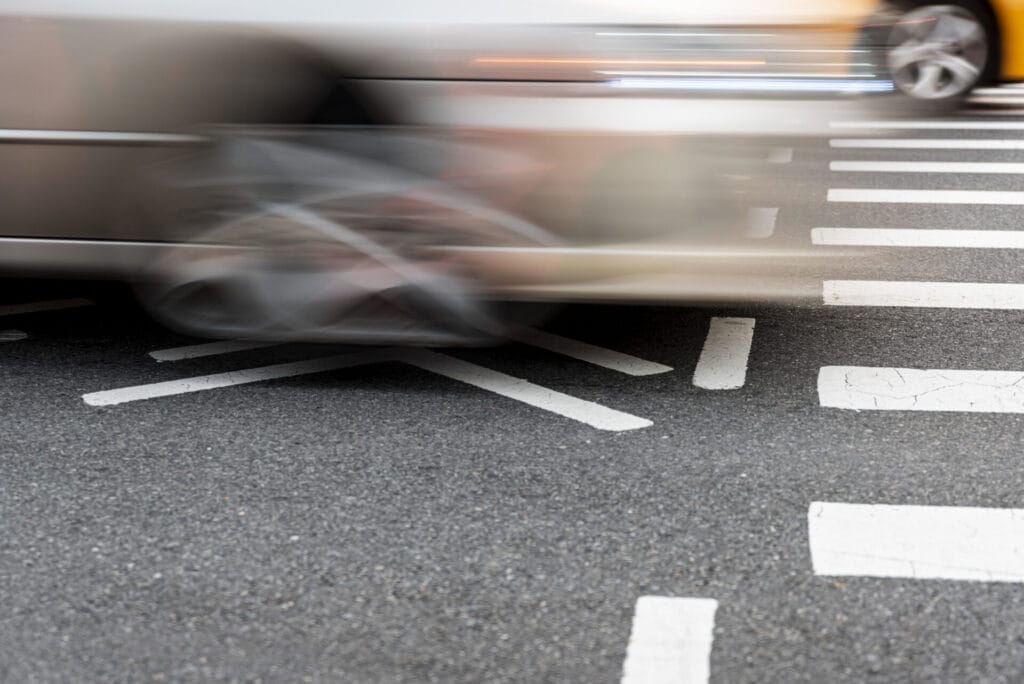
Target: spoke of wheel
[
  {"x": 927, "y": 80},
  {"x": 905, "y": 55},
  {"x": 964, "y": 73}
]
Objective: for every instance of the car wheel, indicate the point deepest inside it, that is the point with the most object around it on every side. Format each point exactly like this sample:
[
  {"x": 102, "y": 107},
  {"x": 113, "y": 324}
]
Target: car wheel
[
  {"x": 300, "y": 239},
  {"x": 936, "y": 54}
]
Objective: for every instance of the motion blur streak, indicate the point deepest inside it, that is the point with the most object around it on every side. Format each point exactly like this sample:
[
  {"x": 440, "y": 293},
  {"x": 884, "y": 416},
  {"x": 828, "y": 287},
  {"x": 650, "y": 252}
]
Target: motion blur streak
[{"x": 263, "y": 175}]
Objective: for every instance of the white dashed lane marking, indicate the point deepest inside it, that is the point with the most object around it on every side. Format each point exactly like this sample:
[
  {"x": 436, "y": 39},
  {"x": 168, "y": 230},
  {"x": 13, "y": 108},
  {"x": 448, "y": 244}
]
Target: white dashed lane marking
[
  {"x": 670, "y": 641},
  {"x": 196, "y": 351},
  {"x": 590, "y": 413},
  {"x": 917, "y": 542},
  {"x": 598, "y": 356},
  {"x": 867, "y": 388},
  {"x": 723, "y": 360},
  {"x": 875, "y": 195},
  {"x": 761, "y": 221},
  {"x": 929, "y": 143},
  {"x": 919, "y": 237},
  {"x": 927, "y": 167},
  {"x": 11, "y": 335},
  {"x": 935, "y": 295},
  {"x": 780, "y": 155},
  {"x": 47, "y": 305}
]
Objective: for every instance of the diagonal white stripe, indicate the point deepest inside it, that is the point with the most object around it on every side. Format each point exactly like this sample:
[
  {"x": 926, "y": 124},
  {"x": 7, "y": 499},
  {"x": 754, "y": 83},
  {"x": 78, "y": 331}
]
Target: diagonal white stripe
[{"x": 598, "y": 356}]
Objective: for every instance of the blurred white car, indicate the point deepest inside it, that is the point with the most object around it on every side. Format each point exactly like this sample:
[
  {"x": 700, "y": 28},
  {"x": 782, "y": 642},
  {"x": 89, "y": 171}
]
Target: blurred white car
[{"x": 387, "y": 171}]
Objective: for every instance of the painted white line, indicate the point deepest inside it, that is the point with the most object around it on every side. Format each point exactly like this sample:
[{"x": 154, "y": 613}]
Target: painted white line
[
  {"x": 919, "y": 237},
  {"x": 48, "y": 305},
  {"x": 780, "y": 155},
  {"x": 940, "y": 295},
  {"x": 958, "y": 125},
  {"x": 723, "y": 360},
  {"x": 595, "y": 415},
  {"x": 926, "y": 196},
  {"x": 232, "y": 378},
  {"x": 917, "y": 542},
  {"x": 928, "y": 143},
  {"x": 587, "y": 412},
  {"x": 909, "y": 389},
  {"x": 927, "y": 167},
  {"x": 670, "y": 641},
  {"x": 1008, "y": 90},
  {"x": 11, "y": 335},
  {"x": 196, "y": 351},
  {"x": 599, "y": 356},
  {"x": 761, "y": 221}
]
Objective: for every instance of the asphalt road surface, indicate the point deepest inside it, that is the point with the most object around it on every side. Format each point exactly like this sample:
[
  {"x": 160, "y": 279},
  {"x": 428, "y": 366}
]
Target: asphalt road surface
[{"x": 829, "y": 492}]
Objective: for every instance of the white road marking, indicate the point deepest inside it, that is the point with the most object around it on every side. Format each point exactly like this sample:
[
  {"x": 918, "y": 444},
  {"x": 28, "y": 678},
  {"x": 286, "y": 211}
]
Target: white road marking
[
  {"x": 587, "y": 412},
  {"x": 927, "y": 167},
  {"x": 670, "y": 642},
  {"x": 929, "y": 143},
  {"x": 909, "y": 389},
  {"x": 723, "y": 360},
  {"x": 599, "y": 356},
  {"x": 919, "y": 237},
  {"x": 232, "y": 378},
  {"x": 48, "y": 305},
  {"x": 917, "y": 542},
  {"x": 595, "y": 415},
  {"x": 761, "y": 221},
  {"x": 926, "y": 196},
  {"x": 196, "y": 351},
  {"x": 11, "y": 335},
  {"x": 956, "y": 125},
  {"x": 942, "y": 295},
  {"x": 1005, "y": 89},
  {"x": 780, "y": 155}
]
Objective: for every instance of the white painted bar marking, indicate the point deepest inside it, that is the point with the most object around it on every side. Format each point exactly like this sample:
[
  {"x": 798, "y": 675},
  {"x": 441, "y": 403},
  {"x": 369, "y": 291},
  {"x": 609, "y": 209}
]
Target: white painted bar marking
[
  {"x": 48, "y": 305},
  {"x": 909, "y": 389},
  {"x": 670, "y": 642},
  {"x": 927, "y": 167},
  {"x": 917, "y": 542},
  {"x": 928, "y": 143},
  {"x": 723, "y": 360},
  {"x": 595, "y": 415},
  {"x": 780, "y": 155},
  {"x": 12, "y": 335},
  {"x": 232, "y": 378},
  {"x": 926, "y": 196},
  {"x": 958, "y": 125},
  {"x": 598, "y": 356},
  {"x": 761, "y": 221},
  {"x": 196, "y": 351},
  {"x": 919, "y": 237},
  {"x": 941, "y": 295}
]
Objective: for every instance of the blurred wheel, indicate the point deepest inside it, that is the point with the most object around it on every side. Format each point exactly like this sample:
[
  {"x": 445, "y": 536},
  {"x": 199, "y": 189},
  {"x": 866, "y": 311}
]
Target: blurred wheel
[
  {"x": 937, "y": 54},
  {"x": 283, "y": 239}
]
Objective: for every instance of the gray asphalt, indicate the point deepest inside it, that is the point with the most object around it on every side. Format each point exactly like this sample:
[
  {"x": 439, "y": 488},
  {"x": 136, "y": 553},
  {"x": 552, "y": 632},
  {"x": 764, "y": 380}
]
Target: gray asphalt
[{"x": 382, "y": 524}]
